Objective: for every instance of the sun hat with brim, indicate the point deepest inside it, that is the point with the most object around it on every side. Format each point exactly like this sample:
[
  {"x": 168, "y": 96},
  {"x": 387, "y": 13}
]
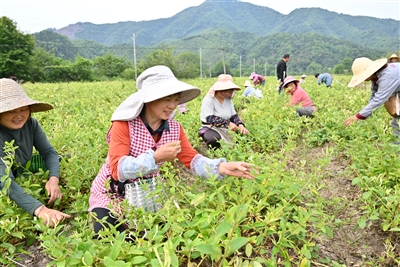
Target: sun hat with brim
[
  {"x": 363, "y": 68},
  {"x": 13, "y": 96},
  {"x": 303, "y": 76},
  {"x": 153, "y": 84},
  {"x": 393, "y": 56},
  {"x": 288, "y": 80},
  {"x": 225, "y": 83},
  {"x": 247, "y": 83}
]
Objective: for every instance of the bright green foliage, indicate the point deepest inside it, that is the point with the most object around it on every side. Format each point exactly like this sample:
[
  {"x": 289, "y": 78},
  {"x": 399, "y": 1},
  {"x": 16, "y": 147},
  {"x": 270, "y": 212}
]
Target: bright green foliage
[
  {"x": 109, "y": 65},
  {"x": 16, "y": 50},
  {"x": 276, "y": 219}
]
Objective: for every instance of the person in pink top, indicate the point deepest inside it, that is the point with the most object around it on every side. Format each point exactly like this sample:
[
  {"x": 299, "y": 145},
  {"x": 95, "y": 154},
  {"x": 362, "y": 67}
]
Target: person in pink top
[
  {"x": 298, "y": 97},
  {"x": 257, "y": 79}
]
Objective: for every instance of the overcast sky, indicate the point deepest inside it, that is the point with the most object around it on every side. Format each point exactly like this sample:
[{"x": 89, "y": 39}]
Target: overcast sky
[{"x": 36, "y": 15}]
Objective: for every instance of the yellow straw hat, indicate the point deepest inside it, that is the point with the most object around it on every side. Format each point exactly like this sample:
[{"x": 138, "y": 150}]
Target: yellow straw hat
[
  {"x": 13, "y": 96},
  {"x": 363, "y": 68}
]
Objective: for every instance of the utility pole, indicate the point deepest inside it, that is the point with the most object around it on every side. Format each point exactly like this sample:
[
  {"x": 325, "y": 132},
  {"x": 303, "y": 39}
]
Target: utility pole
[
  {"x": 240, "y": 66},
  {"x": 134, "y": 54},
  {"x": 223, "y": 60},
  {"x": 201, "y": 66}
]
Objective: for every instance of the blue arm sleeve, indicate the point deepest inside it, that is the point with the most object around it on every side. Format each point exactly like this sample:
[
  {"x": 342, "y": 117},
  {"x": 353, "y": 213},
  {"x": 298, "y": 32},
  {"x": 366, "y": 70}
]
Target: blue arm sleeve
[
  {"x": 130, "y": 167},
  {"x": 206, "y": 167}
]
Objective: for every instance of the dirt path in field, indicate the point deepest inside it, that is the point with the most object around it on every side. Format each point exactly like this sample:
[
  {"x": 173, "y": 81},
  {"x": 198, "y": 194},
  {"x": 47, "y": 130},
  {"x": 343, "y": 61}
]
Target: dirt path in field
[{"x": 350, "y": 245}]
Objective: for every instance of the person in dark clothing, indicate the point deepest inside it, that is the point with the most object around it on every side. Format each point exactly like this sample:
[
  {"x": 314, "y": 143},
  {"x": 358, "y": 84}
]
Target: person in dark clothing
[
  {"x": 281, "y": 71},
  {"x": 16, "y": 123}
]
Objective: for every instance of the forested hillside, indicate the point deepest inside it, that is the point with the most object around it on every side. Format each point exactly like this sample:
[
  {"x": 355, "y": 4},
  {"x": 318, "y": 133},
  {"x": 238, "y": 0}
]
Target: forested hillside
[
  {"x": 309, "y": 52},
  {"x": 238, "y": 16}
]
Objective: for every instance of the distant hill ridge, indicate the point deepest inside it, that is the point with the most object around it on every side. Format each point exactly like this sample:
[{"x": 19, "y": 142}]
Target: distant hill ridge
[{"x": 236, "y": 16}]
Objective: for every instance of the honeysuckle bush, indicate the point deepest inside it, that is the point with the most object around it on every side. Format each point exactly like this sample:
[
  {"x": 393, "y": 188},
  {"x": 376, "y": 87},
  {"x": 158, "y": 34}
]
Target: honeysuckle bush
[{"x": 272, "y": 220}]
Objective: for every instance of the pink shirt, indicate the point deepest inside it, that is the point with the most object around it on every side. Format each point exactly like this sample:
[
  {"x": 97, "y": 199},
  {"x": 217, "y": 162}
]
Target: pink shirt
[{"x": 299, "y": 96}]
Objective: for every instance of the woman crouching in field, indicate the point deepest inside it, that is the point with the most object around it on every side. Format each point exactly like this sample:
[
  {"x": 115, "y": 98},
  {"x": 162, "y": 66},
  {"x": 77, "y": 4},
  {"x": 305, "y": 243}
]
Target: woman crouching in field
[
  {"x": 298, "y": 97},
  {"x": 141, "y": 138},
  {"x": 17, "y": 124}
]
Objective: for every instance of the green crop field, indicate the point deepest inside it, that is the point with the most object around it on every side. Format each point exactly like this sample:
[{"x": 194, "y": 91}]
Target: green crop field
[{"x": 324, "y": 195}]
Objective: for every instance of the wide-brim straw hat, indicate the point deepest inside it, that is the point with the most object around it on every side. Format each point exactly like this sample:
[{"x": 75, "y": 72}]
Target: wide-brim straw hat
[
  {"x": 289, "y": 79},
  {"x": 303, "y": 76},
  {"x": 393, "y": 56},
  {"x": 225, "y": 82},
  {"x": 13, "y": 96},
  {"x": 247, "y": 83},
  {"x": 153, "y": 84},
  {"x": 363, "y": 68}
]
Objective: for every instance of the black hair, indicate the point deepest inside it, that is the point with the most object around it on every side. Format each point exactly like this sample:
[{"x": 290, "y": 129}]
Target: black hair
[
  {"x": 316, "y": 75},
  {"x": 286, "y": 56}
]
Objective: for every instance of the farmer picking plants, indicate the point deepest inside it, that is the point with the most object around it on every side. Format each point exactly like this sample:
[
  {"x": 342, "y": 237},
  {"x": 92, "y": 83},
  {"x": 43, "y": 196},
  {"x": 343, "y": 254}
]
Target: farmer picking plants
[
  {"x": 141, "y": 138},
  {"x": 298, "y": 97},
  {"x": 385, "y": 83},
  {"x": 218, "y": 115},
  {"x": 16, "y": 123}
]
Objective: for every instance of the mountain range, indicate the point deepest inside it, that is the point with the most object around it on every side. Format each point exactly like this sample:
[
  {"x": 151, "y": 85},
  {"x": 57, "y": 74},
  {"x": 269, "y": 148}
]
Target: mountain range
[
  {"x": 236, "y": 16},
  {"x": 246, "y": 36}
]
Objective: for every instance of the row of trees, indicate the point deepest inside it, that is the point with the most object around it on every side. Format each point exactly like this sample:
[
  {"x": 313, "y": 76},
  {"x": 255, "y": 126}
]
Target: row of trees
[
  {"x": 44, "y": 60},
  {"x": 20, "y": 57}
]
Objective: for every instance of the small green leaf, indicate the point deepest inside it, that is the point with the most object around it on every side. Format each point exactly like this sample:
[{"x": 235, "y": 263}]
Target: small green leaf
[
  {"x": 237, "y": 243},
  {"x": 138, "y": 259},
  {"x": 362, "y": 223},
  {"x": 249, "y": 250},
  {"x": 206, "y": 249},
  {"x": 223, "y": 228},
  {"x": 366, "y": 195},
  {"x": 198, "y": 199},
  {"x": 355, "y": 181},
  {"x": 87, "y": 259}
]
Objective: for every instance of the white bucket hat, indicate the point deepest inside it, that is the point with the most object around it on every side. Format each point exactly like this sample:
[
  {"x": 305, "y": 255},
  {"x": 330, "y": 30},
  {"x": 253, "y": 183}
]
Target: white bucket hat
[
  {"x": 393, "y": 56},
  {"x": 13, "y": 96},
  {"x": 247, "y": 83},
  {"x": 154, "y": 83},
  {"x": 363, "y": 68}
]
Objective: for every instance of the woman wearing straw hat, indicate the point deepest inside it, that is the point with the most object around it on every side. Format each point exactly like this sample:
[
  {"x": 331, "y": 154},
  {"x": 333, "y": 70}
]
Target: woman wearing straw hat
[
  {"x": 251, "y": 91},
  {"x": 17, "y": 124},
  {"x": 218, "y": 115},
  {"x": 141, "y": 138},
  {"x": 302, "y": 79},
  {"x": 258, "y": 79},
  {"x": 385, "y": 80},
  {"x": 393, "y": 58},
  {"x": 298, "y": 97}
]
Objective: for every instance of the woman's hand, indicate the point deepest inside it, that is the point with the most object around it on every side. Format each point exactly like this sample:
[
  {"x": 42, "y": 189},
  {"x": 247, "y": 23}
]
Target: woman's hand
[
  {"x": 237, "y": 169},
  {"x": 53, "y": 189},
  {"x": 50, "y": 217},
  {"x": 243, "y": 129},
  {"x": 350, "y": 120},
  {"x": 168, "y": 151},
  {"x": 233, "y": 126}
]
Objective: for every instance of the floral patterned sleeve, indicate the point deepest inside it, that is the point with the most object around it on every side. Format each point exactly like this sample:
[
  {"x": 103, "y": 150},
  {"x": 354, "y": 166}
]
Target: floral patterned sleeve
[
  {"x": 236, "y": 120},
  {"x": 217, "y": 121}
]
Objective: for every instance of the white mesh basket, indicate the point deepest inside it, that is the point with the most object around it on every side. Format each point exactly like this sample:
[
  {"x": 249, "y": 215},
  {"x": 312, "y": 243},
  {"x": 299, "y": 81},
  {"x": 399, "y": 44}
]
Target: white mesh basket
[{"x": 137, "y": 194}]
